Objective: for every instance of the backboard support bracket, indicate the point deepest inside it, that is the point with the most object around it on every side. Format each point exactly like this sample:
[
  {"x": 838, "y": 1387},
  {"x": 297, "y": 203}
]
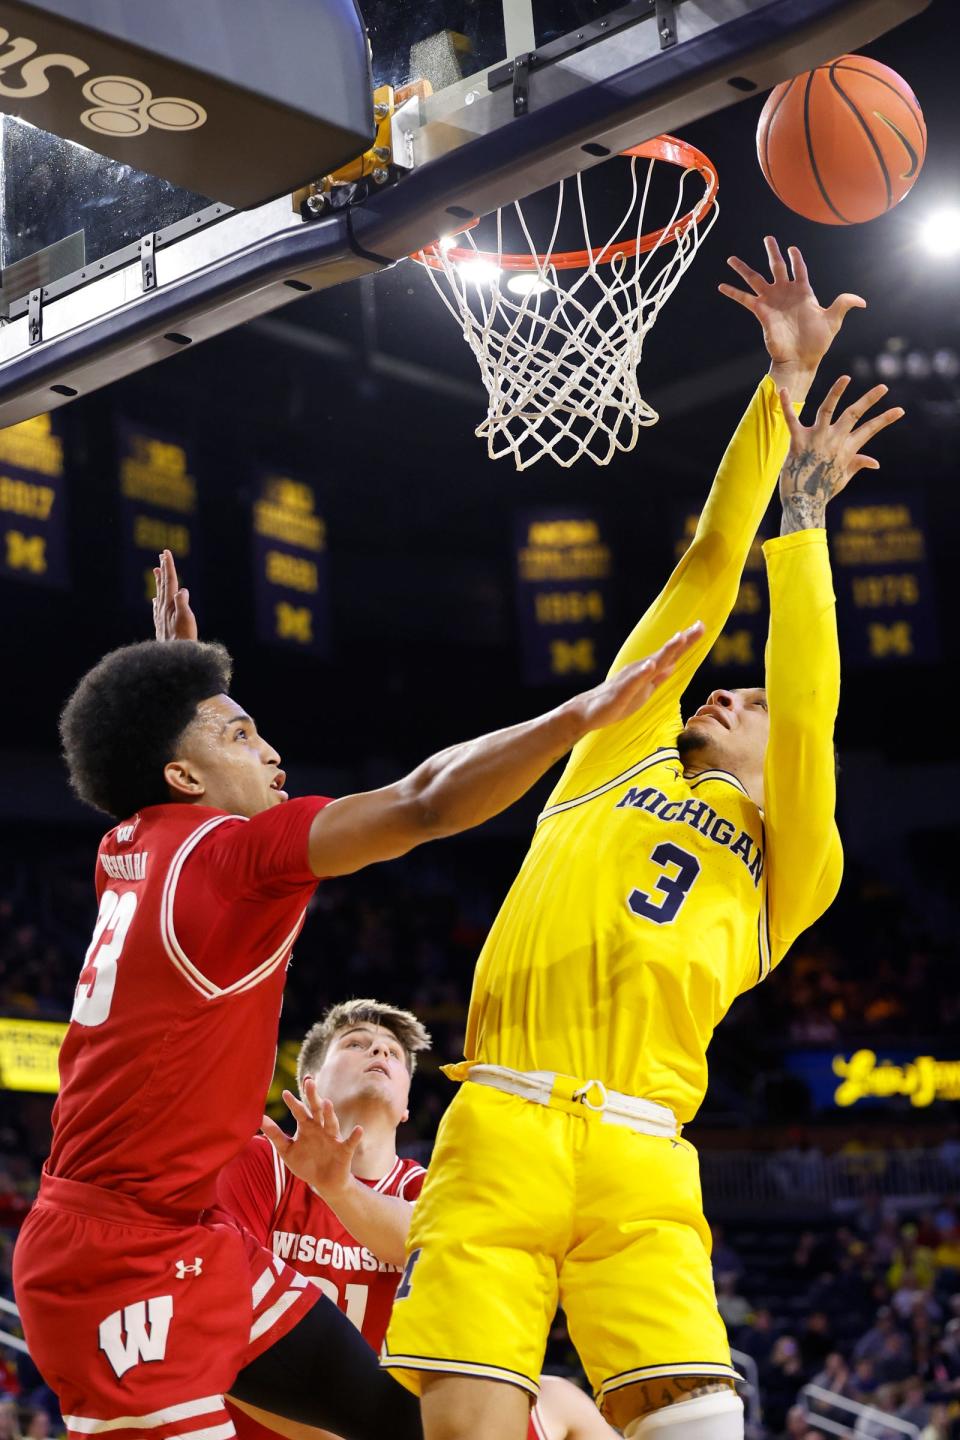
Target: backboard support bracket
[
  {"x": 35, "y": 317},
  {"x": 579, "y": 39},
  {"x": 666, "y": 23},
  {"x": 148, "y": 265},
  {"x": 521, "y": 83}
]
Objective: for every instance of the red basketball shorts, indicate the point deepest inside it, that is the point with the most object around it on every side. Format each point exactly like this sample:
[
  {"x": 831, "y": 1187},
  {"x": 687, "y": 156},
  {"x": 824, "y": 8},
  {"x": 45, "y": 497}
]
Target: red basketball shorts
[{"x": 139, "y": 1323}]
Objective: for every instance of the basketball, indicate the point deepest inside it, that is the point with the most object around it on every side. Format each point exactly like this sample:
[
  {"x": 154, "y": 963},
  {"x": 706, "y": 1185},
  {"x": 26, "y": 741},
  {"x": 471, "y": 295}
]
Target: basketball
[{"x": 843, "y": 143}]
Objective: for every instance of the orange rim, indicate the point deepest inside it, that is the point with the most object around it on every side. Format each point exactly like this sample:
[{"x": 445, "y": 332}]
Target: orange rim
[{"x": 664, "y": 147}]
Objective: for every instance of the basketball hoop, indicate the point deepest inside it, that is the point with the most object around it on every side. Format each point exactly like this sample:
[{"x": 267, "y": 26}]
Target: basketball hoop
[{"x": 559, "y": 360}]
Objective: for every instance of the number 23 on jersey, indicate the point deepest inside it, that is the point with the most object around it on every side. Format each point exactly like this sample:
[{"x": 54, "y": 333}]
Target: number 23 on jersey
[{"x": 91, "y": 1004}]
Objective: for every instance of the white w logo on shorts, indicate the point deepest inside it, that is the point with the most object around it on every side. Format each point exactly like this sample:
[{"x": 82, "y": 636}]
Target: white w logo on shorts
[{"x": 124, "y": 1337}]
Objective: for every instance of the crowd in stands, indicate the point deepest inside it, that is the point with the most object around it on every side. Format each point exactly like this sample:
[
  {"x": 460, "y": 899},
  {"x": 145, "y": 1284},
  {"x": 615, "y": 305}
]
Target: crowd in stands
[{"x": 867, "y": 1311}]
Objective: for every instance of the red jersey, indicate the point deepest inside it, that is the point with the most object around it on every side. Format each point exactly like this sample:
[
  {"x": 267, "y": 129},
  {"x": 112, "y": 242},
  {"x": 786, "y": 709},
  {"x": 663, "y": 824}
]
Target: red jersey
[
  {"x": 288, "y": 1218},
  {"x": 285, "y": 1215},
  {"x": 172, "y": 1040}
]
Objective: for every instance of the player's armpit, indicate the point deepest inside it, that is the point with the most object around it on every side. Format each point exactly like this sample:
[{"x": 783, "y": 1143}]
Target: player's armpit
[
  {"x": 804, "y": 858},
  {"x": 704, "y": 584}
]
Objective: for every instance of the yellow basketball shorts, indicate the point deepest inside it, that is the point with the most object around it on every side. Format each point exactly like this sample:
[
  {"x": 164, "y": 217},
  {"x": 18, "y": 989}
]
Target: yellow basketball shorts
[{"x": 525, "y": 1207}]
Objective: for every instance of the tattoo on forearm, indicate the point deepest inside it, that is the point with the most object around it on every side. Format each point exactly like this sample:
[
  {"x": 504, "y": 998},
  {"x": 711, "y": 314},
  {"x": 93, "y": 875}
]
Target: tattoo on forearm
[{"x": 808, "y": 482}]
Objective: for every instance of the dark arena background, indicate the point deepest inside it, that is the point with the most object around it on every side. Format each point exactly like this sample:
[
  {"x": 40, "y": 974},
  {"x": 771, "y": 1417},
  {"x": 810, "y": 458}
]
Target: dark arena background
[{"x": 344, "y": 534}]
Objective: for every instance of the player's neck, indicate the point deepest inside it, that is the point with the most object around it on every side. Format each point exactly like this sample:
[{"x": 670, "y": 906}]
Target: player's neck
[
  {"x": 376, "y": 1154},
  {"x": 752, "y": 781}
]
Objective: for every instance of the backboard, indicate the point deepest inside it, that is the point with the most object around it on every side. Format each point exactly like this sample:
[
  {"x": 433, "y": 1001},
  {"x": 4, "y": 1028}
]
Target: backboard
[{"x": 108, "y": 268}]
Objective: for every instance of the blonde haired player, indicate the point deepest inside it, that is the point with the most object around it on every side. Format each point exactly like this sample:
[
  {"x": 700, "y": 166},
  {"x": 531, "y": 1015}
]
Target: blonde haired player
[
  {"x": 340, "y": 1182},
  {"x": 666, "y": 876}
]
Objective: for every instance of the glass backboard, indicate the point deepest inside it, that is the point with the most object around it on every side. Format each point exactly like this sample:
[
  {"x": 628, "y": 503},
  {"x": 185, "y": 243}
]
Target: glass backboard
[{"x": 106, "y": 269}]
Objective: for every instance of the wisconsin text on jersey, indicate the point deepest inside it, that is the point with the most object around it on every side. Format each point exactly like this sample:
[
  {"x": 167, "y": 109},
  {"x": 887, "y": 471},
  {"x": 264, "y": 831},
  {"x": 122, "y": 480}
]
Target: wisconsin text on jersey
[{"x": 320, "y": 1250}]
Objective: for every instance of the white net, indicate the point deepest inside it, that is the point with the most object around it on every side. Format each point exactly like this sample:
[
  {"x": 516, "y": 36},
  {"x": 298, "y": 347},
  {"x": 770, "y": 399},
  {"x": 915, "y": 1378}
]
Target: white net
[{"x": 559, "y": 337}]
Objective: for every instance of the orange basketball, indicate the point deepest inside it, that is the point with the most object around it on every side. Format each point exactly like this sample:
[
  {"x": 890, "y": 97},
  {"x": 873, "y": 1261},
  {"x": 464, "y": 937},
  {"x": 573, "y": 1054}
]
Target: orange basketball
[{"x": 843, "y": 143}]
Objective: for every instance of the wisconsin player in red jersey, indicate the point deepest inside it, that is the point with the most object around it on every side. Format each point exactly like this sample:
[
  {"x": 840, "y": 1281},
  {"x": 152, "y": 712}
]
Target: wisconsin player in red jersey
[
  {"x": 346, "y": 1229},
  {"x": 141, "y": 1308}
]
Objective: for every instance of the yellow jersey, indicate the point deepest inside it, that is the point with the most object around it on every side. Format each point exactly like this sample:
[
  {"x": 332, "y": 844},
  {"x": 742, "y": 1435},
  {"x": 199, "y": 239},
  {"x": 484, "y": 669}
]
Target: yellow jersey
[{"x": 649, "y": 901}]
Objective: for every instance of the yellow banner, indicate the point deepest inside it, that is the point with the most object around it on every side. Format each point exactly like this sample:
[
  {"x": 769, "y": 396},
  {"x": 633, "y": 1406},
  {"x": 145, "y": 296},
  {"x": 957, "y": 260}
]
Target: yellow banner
[{"x": 28, "y": 1055}]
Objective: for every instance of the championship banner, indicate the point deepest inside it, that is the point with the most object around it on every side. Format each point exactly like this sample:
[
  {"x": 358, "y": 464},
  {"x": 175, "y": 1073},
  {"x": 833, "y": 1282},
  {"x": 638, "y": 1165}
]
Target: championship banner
[
  {"x": 563, "y": 578},
  {"x": 33, "y": 520},
  {"x": 158, "y": 497},
  {"x": 885, "y": 603},
  {"x": 28, "y": 1055},
  {"x": 290, "y": 565},
  {"x": 741, "y": 643}
]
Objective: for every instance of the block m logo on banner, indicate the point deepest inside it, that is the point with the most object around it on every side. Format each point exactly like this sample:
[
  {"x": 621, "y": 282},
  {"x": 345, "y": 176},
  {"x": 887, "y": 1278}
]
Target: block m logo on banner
[{"x": 137, "y": 1332}]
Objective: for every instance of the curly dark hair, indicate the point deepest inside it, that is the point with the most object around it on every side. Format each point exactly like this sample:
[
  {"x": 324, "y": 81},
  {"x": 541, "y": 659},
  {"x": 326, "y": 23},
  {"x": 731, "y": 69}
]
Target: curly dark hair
[{"x": 123, "y": 721}]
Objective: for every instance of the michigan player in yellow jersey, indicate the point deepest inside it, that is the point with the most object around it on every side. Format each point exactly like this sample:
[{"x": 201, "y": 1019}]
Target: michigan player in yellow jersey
[{"x": 670, "y": 871}]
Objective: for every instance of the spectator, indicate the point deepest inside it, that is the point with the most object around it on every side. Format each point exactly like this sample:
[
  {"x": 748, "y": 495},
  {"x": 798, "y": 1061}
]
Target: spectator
[
  {"x": 895, "y": 1361},
  {"x": 938, "y": 1427},
  {"x": 871, "y": 1423},
  {"x": 864, "y": 1381},
  {"x": 869, "y": 1346},
  {"x": 781, "y": 1380},
  {"x": 797, "y": 1427},
  {"x": 9, "y": 1420},
  {"x": 835, "y": 1376},
  {"x": 913, "y": 1403},
  {"x": 757, "y": 1337}
]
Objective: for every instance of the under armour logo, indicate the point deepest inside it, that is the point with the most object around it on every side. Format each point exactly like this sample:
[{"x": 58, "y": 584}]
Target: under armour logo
[{"x": 183, "y": 1269}]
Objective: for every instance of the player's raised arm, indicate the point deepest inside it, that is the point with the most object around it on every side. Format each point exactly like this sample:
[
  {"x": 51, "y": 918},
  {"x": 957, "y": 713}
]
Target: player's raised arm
[
  {"x": 320, "y": 1156},
  {"x": 804, "y": 859},
  {"x": 797, "y": 333},
  {"x": 469, "y": 783}
]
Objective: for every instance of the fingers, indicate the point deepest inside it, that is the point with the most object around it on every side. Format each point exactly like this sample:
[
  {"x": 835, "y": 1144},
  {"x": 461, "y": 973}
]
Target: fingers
[
  {"x": 749, "y": 302},
  {"x": 328, "y": 1118},
  {"x": 842, "y": 304},
  {"x": 298, "y": 1110},
  {"x": 664, "y": 659},
  {"x": 778, "y": 266},
  {"x": 866, "y": 432},
  {"x": 748, "y": 275},
  {"x": 798, "y": 266},
  {"x": 856, "y": 410},
  {"x": 354, "y": 1138},
  {"x": 790, "y": 415},
  {"x": 863, "y": 462},
  {"x": 832, "y": 397}
]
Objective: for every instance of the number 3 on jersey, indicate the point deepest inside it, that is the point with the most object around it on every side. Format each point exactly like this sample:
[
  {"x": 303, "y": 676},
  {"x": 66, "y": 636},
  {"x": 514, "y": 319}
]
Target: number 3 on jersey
[
  {"x": 91, "y": 1004},
  {"x": 674, "y": 887}
]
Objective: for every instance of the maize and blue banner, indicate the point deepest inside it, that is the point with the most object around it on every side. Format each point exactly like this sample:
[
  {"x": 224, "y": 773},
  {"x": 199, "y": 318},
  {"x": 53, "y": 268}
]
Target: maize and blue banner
[
  {"x": 291, "y": 581},
  {"x": 886, "y": 609},
  {"x": 564, "y": 572},
  {"x": 158, "y": 502},
  {"x": 33, "y": 517}
]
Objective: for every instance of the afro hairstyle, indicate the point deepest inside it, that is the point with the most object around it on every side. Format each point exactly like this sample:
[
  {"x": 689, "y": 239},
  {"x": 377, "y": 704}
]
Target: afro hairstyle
[{"x": 124, "y": 720}]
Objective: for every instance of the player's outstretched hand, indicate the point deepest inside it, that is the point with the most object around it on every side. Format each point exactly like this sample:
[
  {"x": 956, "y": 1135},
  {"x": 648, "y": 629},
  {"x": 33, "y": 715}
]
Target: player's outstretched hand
[
  {"x": 172, "y": 617},
  {"x": 825, "y": 456},
  {"x": 630, "y": 688},
  {"x": 797, "y": 330},
  {"x": 317, "y": 1153}
]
